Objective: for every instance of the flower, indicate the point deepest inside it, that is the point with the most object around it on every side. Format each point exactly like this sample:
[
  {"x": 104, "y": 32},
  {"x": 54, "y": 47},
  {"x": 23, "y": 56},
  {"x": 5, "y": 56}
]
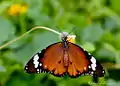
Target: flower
[
  {"x": 71, "y": 38},
  {"x": 16, "y": 9}
]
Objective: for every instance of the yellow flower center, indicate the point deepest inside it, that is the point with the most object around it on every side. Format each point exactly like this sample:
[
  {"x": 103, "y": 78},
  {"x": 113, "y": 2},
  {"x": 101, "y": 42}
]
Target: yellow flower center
[
  {"x": 17, "y": 9},
  {"x": 71, "y": 38}
]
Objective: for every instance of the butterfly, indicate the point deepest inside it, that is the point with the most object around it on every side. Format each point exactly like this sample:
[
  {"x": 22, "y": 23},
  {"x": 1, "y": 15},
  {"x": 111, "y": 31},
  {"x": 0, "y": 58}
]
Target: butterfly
[{"x": 65, "y": 58}]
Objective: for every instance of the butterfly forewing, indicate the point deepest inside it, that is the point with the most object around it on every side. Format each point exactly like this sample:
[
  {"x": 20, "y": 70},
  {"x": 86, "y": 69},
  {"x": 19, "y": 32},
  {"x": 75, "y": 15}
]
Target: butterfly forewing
[
  {"x": 53, "y": 59},
  {"x": 49, "y": 60}
]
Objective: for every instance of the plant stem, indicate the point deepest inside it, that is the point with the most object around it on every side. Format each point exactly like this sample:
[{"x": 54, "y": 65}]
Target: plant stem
[{"x": 38, "y": 27}]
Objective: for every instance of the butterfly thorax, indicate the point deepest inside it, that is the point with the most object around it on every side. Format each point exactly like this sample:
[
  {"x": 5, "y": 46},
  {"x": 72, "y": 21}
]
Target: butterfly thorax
[{"x": 66, "y": 57}]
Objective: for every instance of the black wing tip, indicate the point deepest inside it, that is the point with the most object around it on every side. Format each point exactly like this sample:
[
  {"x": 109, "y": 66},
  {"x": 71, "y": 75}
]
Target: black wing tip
[{"x": 29, "y": 71}]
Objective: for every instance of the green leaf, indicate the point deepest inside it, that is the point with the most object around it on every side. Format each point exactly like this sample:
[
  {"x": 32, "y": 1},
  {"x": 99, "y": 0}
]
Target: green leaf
[
  {"x": 92, "y": 33},
  {"x": 88, "y": 46}
]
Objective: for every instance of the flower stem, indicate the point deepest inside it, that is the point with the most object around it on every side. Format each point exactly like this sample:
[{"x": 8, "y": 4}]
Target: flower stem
[{"x": 34, "y": 28}]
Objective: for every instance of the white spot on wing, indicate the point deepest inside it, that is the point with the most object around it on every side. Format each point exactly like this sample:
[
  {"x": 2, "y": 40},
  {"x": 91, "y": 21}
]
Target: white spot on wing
[
  {"x": 35, "y": 60},
  {"x": 84, "y": 68},
  {"x": 93, "y": 60},
  {"x": 26, "y": 67},
  {"x": 89, "y": 66},
  {"x": 38, "y": 70},
  {"x": 89, "y": 54},
  {"x": 93, "y": 65},
  {"x": 92, "y": 72},
  {"x": 40, "y": 64}
]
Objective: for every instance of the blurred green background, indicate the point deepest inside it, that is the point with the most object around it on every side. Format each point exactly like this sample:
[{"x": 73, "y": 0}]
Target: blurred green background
[{"x": 96, "y": 24}]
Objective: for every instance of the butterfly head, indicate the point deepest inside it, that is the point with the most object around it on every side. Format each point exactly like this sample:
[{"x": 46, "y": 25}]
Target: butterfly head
[{"x": 66, "y": 37}]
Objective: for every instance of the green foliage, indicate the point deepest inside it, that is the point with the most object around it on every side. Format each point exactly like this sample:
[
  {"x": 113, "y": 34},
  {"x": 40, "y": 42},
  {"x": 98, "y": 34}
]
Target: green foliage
[{"x": 96, "y": 24}]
